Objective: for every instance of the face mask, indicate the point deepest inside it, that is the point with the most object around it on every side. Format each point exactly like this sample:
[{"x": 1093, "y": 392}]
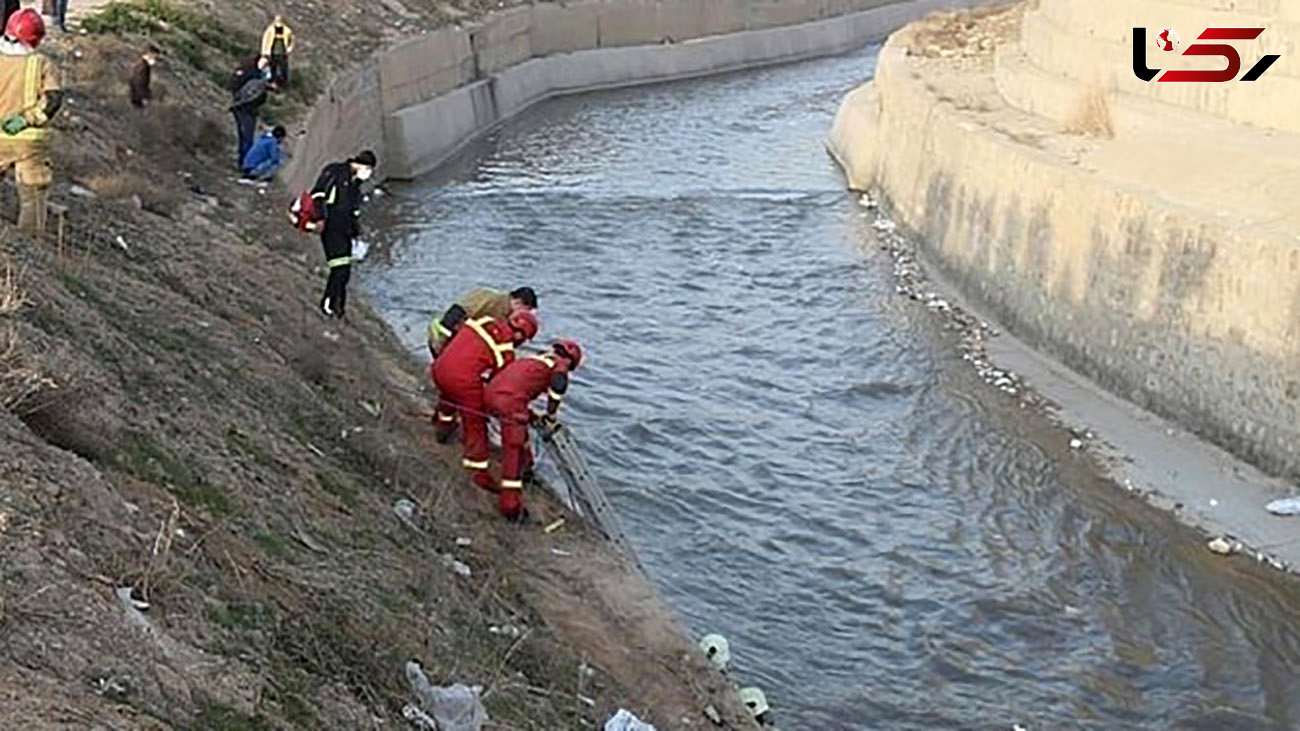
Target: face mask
[{"x": 363, "y": 174}]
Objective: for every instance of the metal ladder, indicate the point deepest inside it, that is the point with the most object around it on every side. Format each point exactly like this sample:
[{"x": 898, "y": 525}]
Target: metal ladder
[{"x": 580, "y": 491}]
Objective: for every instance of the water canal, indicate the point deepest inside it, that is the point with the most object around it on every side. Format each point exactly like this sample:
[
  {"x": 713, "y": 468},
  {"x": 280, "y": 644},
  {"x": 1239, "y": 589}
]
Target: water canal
[{"x": 802, "y": 457}]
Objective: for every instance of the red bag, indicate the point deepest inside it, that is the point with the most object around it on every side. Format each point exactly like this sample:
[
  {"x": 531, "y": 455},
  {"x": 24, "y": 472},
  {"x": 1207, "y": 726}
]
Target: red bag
[{"x": 303, "y": 211}]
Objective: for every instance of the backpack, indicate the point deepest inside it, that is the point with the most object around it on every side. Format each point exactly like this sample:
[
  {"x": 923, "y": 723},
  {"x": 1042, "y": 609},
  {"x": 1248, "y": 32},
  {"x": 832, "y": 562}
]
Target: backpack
[
  {"x": 252, "y": 90},
  {"x": 303, "y": 211}
]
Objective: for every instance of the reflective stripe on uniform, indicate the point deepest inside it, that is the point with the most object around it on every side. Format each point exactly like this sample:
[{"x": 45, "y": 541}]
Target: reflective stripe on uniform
[
  {"x": 441, "y": 329},
  {"x": 554, "y": 396},
  {"x": 470, "y": 464},
  {"x": 498, "y": 349},
  {"x": 512, "y": 485},
  {"x": 546, "y": 358},
  {"x": 341, "y": 261},
  {"x": 31, "y": 98},
  {"x": 446, "y": 417}
]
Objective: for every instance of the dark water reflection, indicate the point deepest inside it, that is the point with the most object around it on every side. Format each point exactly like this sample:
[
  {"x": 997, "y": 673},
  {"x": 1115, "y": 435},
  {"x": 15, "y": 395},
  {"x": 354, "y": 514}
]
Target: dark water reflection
[{"x": 802, "y": 458}]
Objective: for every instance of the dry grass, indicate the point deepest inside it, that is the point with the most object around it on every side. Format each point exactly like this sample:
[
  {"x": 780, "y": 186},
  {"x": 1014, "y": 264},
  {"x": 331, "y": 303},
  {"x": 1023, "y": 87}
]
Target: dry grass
[
  {"x": 20, "y": 381},
  {"x": 122, "y": 186},
  {"x": 1091, "y": 115},
  {"x": 963, "y": 32},
  {"x": 116, "y": 186},
  {"x": 12, "y": 297}
]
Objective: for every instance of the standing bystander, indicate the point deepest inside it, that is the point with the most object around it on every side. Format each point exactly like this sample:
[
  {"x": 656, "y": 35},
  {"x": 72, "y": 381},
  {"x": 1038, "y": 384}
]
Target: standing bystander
[
  {"x": 277, "y": 44},
  {"x": 142, "y": 79}
]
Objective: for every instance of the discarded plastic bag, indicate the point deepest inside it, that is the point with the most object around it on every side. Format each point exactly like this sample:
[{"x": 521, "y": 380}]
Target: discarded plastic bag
[
  {"x": 1285, "y": 506},
  {"x": 359, "y": 250},
  {"x": 454, "y": 708},
  {"x": 625, "y": 721}
]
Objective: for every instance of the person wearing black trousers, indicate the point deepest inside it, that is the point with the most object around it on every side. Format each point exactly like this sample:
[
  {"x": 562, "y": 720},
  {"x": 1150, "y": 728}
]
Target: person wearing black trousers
[
  {"x": 249, "y": 89},
  {"x": 337, "y": 195}
]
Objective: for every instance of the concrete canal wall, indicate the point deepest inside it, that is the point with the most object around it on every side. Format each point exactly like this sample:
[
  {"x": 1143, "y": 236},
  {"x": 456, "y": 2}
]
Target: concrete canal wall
[
  {"x": 419, "y": 101},
  {"x": 1160, "y": 259}
]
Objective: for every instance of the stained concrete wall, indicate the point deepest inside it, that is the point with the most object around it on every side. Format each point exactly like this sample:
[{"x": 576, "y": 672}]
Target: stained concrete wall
[
  {"x": 1180, "y": 310},
  {"x": 415, "y": 104},
  {"x": 1090, "y": 41}
]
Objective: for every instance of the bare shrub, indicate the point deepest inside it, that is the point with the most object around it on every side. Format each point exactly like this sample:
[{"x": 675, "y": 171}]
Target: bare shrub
[{"x": 1091, "y": 115}]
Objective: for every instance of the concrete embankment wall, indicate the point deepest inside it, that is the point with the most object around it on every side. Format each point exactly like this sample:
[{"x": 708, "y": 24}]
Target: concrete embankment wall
[
  {"x": 416, "y": 103},
  {"x": 1186, "y": 312}
]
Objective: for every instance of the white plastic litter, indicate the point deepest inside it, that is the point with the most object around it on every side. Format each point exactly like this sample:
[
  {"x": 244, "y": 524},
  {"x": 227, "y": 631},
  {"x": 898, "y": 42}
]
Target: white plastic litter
[
  {"x": 1285, "y": 506},
  {"x": 1223, "y": 546},
  {"x": 359, "y": 250},
  {"x": 625, "y": 721},
  {"x": 404, "y": 508},
  {"x": 1076, "y": 444},
  {"x": 461, "y": 568},
  {"x": 717, "y": 649},
  {"x": 454, "y": 708}
]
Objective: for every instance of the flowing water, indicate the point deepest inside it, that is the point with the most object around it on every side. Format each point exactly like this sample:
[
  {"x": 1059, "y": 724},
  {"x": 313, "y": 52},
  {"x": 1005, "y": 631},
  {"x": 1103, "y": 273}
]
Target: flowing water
[{"x": 802, "y": 458}]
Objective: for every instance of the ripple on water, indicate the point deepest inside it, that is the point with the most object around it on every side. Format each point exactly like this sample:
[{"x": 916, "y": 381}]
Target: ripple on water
[{"x": 801, "y": 457}]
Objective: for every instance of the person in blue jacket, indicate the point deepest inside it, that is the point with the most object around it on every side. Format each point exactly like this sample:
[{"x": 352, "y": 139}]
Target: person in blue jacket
[{"x": 265, "y": 156}]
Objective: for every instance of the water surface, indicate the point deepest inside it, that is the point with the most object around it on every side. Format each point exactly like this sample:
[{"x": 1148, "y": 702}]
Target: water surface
[{"x": 802, "y": 457}]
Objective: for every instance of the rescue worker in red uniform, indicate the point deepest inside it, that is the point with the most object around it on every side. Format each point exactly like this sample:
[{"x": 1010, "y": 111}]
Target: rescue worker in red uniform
[
  {"x": 476, "y": 353},
  {"x": 508, "y": 397}
]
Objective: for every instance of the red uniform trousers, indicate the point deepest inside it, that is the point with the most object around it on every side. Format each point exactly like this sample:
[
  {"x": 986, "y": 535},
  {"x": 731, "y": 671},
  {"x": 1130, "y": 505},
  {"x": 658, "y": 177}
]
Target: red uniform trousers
[
  {"x": 464, "y": 397},
  {"x": 516, "y": 452},
  {"x": 478, "y": 349}
]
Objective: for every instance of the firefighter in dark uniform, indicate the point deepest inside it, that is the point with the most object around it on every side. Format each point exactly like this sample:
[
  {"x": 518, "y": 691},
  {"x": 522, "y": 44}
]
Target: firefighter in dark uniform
[{"x": 337, "y": 195}]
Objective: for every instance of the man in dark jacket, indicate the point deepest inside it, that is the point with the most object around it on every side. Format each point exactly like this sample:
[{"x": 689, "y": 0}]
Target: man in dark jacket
[
  {"x": 337, "y": 194},
  {"x": 249, "y": 88},
  {"x": 142, "y": 79}
]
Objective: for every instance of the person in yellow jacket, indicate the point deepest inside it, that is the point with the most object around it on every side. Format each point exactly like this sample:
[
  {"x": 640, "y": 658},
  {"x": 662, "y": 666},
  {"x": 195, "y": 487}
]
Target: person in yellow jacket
[
  {"x": 475, "y": 304},
  {"x": 277, "y": 44},
  {"x": 30, "y": 95}
]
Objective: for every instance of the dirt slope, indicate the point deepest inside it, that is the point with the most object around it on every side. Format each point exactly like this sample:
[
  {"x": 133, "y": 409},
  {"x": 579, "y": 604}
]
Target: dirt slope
[{"x": 176, "y": 416}]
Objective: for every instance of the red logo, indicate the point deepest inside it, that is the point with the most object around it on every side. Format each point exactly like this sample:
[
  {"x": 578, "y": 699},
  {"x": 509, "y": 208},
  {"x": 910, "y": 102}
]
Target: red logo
[{"x": 1167, "y": 40}]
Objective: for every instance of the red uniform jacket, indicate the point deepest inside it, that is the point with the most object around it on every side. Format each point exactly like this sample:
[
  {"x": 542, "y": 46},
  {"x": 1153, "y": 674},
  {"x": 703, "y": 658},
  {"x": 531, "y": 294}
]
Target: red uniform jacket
[
  {"x": 519, "y": 383},
  {"x": 475, "y": 353}
]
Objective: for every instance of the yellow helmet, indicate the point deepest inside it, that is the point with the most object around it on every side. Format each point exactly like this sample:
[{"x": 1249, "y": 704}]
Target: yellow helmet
[
  {"x": 715, "y": 648},
  {"x": 754, "y": 700}
]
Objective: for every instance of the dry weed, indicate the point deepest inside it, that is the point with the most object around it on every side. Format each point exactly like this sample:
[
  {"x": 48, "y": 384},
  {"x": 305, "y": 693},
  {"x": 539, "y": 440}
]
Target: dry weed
[
  {"x": 120, "y": 186},
  {"x": 19, "y": 378},
  {"x": 1091, "y": 116},
  {"x": 117, "y": 185},
  {"x": 12, "y": 297}
]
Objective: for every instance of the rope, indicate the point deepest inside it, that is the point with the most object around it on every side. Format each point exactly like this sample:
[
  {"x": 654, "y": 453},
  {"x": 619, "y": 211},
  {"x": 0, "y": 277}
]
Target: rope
[{"x": 542, "y": 451}]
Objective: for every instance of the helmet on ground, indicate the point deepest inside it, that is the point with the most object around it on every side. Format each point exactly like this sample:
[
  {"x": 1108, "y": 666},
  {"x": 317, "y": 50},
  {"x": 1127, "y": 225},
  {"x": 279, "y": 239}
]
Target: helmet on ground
[
  {"x": 26, "y": 26},
  {"x": 525, "y": 325},
  {"x": 571, "y": 350},
  {"x": 716, "y": 649},
  {"x": 754, "y": 700}
]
